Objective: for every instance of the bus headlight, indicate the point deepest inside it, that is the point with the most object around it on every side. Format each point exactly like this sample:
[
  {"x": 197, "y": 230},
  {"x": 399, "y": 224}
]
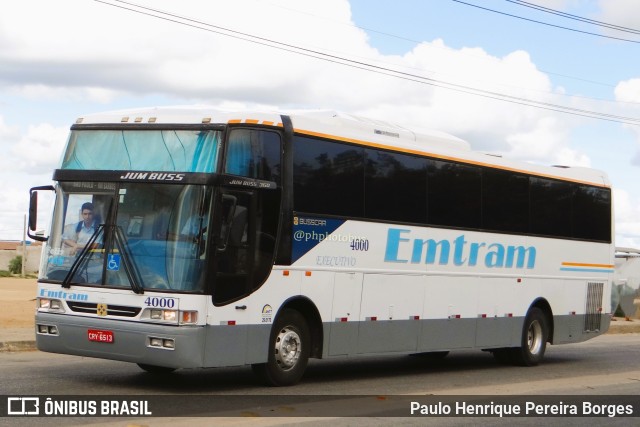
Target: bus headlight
[
  {"x": 169, "y": 315},
  {"x": 174, "y": 316},
  {"x": 166, "y": 315},
  {"x": 49, "y": 304}
]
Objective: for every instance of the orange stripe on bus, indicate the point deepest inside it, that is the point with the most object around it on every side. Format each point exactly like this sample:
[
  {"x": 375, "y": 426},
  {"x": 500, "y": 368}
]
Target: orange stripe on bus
[{"x": 580, "y": 264}]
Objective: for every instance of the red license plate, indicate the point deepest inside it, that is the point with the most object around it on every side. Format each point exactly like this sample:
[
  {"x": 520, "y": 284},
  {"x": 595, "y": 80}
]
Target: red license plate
[{"x": 100, "y": 336}]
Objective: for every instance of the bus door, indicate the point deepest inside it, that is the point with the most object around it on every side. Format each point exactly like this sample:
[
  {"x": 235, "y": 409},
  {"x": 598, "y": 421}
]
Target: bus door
[
  {"x": 248, "y": 213},
  {"x": 245, "y": 241}
]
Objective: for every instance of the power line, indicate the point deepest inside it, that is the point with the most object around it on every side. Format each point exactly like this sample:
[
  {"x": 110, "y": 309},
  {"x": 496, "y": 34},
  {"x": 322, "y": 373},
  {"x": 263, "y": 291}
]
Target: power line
[
  {"x": 545, "y": 23},
  {"x": 575, "y": 17},
  {"x": 408, "y": 39},
  {"x": 189, "y": 22},
  {"x": 399, "y": 37}
]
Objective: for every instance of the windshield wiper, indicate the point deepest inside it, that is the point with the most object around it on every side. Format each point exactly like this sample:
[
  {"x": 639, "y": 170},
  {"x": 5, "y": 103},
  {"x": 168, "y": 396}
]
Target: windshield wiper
[
  {"x": 121, "y": 243},
  {"x": 66, "y": 283},
  {"x": 130, "y": 268}
]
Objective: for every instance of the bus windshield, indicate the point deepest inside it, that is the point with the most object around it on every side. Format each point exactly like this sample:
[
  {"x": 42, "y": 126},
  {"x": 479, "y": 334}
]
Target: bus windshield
[
  {"x": 156, "y": 150},
  {"x": 131, "y": 235}
]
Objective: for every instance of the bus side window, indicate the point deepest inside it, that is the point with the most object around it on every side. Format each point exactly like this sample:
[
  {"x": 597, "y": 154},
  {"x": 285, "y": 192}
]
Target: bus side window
[{"x": 254, "y": 154}]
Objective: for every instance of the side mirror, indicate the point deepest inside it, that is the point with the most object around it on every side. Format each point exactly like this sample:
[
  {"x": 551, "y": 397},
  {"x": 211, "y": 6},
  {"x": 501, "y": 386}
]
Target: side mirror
[{"x": 33, "y": 212}]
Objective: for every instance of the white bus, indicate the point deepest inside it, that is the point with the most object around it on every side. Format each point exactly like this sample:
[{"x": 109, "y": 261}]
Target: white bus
[{"x": 193, "y": 238}]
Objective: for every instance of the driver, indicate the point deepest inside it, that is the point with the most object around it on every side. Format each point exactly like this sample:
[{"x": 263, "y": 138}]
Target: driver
[{"x": 77, "y": 235}]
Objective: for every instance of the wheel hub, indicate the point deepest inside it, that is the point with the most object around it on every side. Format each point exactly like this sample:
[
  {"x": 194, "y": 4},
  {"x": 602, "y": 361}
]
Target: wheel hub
[
  {"x": 288, "y": 348},
  {"x": 534, "y": 337}
]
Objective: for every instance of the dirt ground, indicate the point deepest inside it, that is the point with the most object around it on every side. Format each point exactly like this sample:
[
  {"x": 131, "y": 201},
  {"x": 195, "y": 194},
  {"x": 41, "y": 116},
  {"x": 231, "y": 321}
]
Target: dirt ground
[{"x": 17, "y": 302}]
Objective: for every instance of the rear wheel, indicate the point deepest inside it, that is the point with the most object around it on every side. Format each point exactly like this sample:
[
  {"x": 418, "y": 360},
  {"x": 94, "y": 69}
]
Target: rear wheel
[
  {"x": 534, "y": 339},
  {"x": 289, "y": 349}
]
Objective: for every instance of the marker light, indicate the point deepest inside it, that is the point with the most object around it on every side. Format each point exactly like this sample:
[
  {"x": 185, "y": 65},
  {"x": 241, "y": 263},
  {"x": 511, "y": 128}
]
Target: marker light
[{"x": 188, "y": 317}]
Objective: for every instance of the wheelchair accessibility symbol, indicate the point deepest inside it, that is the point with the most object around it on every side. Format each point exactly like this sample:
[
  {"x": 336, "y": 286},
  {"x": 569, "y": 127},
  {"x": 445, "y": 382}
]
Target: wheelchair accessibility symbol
[{"x": 113, "y": 262}]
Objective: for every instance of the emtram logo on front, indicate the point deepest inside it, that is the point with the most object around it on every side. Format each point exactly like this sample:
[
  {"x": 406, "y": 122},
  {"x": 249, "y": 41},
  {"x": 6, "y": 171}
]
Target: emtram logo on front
[{"x": 23, "y": 406}]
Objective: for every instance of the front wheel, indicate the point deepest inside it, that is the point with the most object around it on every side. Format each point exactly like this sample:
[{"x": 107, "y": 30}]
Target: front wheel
[
  {"x": 534, "y": 339},
  {"x": 289, "y": 349}
]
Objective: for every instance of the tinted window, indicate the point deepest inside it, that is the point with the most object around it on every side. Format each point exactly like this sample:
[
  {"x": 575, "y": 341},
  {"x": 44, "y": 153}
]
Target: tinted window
[
  {"x": 550, "y": 207},
  {"x": 505, "y": 201},
  {"x": 454, "y": 194},
  {"x": 328, "y": 177},
  {"x": 340, "y": 179},
  {"x": 254, "y": 154},
  {"x": 395, "y": 187},
  {"x": 592, "y": 213}
]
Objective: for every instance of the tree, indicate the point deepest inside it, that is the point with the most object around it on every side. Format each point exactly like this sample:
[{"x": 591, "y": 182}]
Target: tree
[{"x": 15, "y": 265}]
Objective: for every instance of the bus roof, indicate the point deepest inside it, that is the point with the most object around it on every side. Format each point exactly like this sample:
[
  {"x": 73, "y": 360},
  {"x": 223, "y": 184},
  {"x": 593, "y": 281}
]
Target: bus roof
[{"x": 347, "y": 128}]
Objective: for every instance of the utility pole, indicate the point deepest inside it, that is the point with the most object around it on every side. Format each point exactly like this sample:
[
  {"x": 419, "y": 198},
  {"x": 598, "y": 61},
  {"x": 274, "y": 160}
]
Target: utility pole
[{"x": 24, "y": 246}]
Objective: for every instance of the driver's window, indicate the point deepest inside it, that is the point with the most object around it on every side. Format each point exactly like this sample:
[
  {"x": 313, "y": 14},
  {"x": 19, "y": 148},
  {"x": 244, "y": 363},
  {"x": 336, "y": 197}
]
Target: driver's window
[
  {"x": 82, "y": 219},
  {"x": 78, "y": 229}
]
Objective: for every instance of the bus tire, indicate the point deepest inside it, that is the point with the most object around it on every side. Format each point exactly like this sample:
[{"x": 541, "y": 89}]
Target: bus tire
[
  {"x": 153, "y": 369},
  {"x": 289, "y": 349},
  {"x": 535, "y": 332}
]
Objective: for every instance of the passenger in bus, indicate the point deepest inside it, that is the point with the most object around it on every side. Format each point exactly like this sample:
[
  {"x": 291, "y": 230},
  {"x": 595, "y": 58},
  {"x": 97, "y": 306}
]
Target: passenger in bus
[{"x": 76, "y": 236}]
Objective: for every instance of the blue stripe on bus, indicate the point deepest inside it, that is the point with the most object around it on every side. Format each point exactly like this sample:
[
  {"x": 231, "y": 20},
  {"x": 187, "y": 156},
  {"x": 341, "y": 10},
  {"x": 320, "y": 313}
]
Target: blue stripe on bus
[{"x": 588, "y": 270}]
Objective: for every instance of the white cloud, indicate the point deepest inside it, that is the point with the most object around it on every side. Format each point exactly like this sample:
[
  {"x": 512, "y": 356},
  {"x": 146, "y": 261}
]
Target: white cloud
[
  {"x": 546, "y": 142},
  {"x": 7, "y": 133},
  {"x": 619, "y": 12},
  {"x": 627, "y": 224},
  {"x": 40, "y": 148},
  {"x": 628, "y": 91},
  {"x": 80, "y": 50},
  {"x": 39, "y": 92}
]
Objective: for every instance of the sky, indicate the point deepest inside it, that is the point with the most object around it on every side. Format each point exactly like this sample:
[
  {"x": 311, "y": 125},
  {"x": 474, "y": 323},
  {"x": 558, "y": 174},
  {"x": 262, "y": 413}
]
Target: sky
[{"x": 557, "y": 88}]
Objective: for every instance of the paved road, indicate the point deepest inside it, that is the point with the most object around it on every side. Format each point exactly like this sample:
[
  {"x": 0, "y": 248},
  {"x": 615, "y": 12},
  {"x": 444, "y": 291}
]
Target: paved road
[{"x": 607, "y": 365}]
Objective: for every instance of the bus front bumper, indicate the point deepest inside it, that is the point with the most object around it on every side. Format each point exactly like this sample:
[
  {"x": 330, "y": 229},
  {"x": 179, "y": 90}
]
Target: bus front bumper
[{"x": 144, "y": 343}]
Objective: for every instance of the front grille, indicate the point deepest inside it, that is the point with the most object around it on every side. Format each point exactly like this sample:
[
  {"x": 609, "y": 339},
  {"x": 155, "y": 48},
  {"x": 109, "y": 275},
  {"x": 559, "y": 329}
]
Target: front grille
[{"x": 112, "y": 310}]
